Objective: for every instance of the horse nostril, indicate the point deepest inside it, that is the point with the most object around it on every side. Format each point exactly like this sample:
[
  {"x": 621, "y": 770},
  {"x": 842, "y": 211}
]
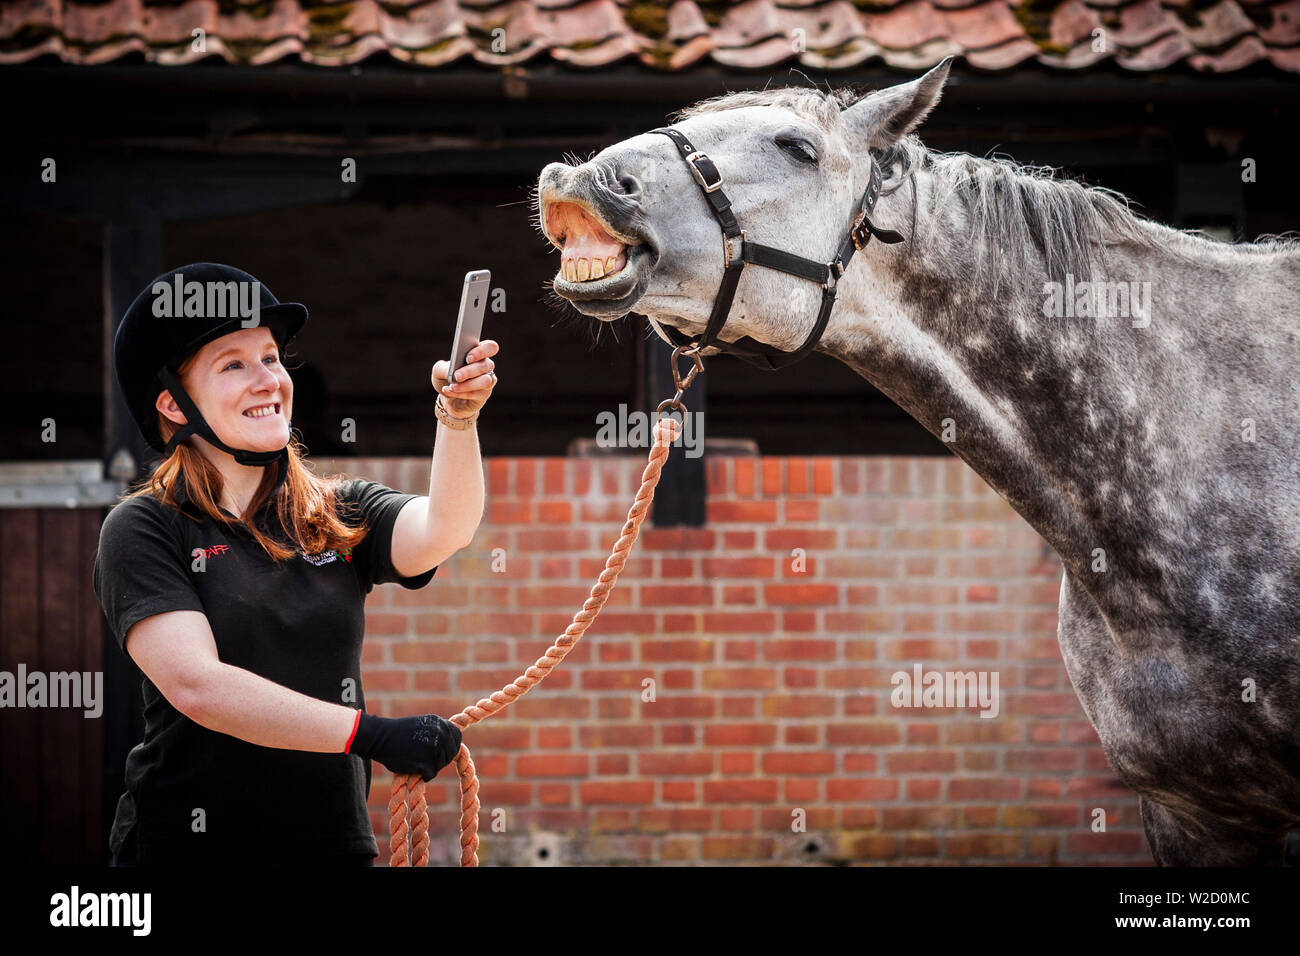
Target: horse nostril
[{"x": 630, "y": 185}]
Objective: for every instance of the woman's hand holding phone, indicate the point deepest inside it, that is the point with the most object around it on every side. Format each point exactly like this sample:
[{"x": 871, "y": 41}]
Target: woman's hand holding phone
[{"x": 474, "y": 381}]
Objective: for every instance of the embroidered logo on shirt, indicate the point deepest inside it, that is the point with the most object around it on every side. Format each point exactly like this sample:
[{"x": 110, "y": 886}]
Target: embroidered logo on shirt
[
  {"x": 214, "y": 550},
  {"x": 325, "y": 557}
]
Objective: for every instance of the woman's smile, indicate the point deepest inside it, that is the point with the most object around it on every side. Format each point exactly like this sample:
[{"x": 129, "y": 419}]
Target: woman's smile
[{"x": 269, "y": 410}]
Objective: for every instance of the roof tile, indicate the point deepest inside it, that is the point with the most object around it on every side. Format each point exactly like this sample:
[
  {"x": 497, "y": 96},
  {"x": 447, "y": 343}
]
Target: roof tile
[
  {"x": 996, "y": 35},
  {"x": 1283, "y": 24}
]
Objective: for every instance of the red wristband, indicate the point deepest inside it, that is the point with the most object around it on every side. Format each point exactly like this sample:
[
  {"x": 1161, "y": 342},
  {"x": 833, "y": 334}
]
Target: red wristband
[{"x": 355, "y": 724}]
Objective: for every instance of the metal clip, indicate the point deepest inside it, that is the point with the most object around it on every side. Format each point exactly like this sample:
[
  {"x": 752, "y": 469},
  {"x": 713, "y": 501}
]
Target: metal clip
[{"x": 682, "y": 384}]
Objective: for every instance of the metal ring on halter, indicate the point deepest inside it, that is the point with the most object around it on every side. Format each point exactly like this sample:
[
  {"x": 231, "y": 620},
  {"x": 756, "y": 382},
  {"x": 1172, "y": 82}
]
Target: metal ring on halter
[
  {"x": 674, "y": 402},
  {"x": 699, "y": 367}
]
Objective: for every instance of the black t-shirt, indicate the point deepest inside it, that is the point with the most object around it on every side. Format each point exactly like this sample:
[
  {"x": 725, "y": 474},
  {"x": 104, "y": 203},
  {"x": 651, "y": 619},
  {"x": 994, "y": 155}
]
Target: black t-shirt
[{"x": 299, "y": 624}]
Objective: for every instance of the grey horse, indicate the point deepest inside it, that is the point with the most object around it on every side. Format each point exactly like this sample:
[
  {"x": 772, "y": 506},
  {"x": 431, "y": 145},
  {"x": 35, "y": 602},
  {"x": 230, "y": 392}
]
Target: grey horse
[{"x": 1131, "y": 390}]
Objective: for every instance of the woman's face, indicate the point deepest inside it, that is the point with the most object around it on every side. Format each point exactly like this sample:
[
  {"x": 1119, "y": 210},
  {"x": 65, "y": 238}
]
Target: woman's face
[{"x": 234, "y": 377}]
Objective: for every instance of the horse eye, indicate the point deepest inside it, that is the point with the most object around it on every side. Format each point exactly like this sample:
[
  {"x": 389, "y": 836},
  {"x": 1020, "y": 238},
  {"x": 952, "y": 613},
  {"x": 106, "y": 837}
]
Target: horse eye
[{"x": 798, "y": 149}]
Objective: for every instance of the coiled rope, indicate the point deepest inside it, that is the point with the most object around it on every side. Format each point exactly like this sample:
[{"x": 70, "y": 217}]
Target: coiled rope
[{"x": 409, "y": 824}]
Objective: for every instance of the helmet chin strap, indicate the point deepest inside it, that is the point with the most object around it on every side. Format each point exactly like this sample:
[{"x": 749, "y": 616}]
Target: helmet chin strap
[{"x": 196, "y": 424}]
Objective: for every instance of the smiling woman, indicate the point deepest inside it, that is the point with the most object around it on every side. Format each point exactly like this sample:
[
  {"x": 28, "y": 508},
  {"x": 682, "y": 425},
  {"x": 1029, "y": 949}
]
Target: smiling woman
[{"x": 235, "y": 578}]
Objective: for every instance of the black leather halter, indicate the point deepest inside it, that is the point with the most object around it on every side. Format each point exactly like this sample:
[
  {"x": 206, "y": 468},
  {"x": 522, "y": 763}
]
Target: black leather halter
[{"x": 766, "y": 357}]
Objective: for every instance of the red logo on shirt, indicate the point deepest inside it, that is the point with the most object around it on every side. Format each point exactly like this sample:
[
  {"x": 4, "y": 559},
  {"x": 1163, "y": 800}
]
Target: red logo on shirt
[{"x": 214, "y": 550}]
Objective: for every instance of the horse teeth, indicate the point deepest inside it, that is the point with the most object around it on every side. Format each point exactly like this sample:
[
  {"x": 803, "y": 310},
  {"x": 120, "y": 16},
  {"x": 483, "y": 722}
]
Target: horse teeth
[{"x": 585, "y": 270}]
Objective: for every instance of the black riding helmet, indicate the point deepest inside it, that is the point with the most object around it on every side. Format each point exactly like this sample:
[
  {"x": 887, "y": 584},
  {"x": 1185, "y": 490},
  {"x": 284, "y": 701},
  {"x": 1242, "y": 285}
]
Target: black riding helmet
[{"x": 177, "y": 314}]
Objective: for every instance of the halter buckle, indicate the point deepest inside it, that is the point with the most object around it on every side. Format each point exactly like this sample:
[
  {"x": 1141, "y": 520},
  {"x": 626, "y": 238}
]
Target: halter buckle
[
  {"x": 859, "y": 232},
  {"x": 693, "y": 162},
  {"x": 727, "y": 254}
]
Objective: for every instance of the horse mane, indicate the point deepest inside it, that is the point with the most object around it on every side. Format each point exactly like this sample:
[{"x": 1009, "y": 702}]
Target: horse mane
[{"x": 1017, "y": 208}]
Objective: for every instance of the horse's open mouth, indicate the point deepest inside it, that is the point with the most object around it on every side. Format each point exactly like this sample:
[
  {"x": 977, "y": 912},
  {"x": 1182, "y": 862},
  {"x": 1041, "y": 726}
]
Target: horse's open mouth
[{"x": 602, "y": 272}]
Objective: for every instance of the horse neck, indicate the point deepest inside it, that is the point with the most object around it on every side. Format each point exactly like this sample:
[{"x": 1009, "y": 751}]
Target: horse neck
[{"x": 976, "y": 354}]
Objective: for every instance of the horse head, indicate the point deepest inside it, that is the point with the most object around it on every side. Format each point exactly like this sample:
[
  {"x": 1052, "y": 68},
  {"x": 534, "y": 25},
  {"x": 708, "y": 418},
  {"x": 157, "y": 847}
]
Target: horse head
[{"x": 635, "y": 229}]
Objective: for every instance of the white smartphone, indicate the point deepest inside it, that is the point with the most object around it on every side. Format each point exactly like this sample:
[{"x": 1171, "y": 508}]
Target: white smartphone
[{"x": 469, "y": 325}]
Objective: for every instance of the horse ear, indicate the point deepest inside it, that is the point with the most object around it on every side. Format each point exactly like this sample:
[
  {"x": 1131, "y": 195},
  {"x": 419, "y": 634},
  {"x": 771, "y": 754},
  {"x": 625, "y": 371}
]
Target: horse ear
[{"x": 886, "y": 116}]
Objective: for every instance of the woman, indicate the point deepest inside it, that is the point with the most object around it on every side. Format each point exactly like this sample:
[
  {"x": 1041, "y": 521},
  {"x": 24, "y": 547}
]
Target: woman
[{"x": 233, "y": 581}]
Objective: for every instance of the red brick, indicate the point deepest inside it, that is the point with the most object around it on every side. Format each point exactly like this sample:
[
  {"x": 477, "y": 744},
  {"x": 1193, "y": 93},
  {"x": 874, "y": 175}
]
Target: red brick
[
  {"x": 792, "y": 705},
  {"x": 918, "y": 818},
  {"x": 673, "y": 705},
  {"x": 614, "y": 735},
  {"x": 611, "y": 679},
  {"x": 864, "y": 734},
  {"x": 740, "y": 791},
  {"x": 925, "y": 761},
  {"x": 627, "y": 791},
  {"x": 1004, "y": 789},
  {"x": 554, "y": 512},
  {"x": 554, "y": 539},
  {"x": 665, "y": 764},
  {"x": 785, "y": 540},
  {"x": 739, "y": 594},
  {"x": 744, "y": 476},
  {"x": 799, "y": 650},
  {"x": 736, "y": 848},
  {"x": 736, "y": 818},
  {"x": 738, "y": 678},
  {"x": 738, "y": 708},
  {"x": 553, "y": 737},
  {"x": 801, "y": 594},
  {"x": 1041, "y": 759},
  {"x": 675, "y": 820},
  {"x": 723, "y": 512},
  {"x": 739, "y": 622},
  {"x": 676, "y": 539},
  {"x": 801, "y": 678},
  {"x": 677, "y": 651},
  {"x": 616, "y": 765},
  {"x": 854, "y": 790},
  {"x": 552, "y": 765},
  {"x": 508, "y": 511},
  {"x": 738, "y": 761},
  {"x": 1042, "y": 815},
  {"x": 752, "y": 567},
  {"x": 679, "y": 790},
  {"x": 733, "y": 541},
  {"x": 673, "y": 596},
  {"x": 796, "y": 511},
  {"x": 740, "y": 735},
  {"x": 823, "y": 476},
  {"x": 554, "y": 794},
  {"x": 966, "y": 845},
  {"x": 779, "y": 763}
]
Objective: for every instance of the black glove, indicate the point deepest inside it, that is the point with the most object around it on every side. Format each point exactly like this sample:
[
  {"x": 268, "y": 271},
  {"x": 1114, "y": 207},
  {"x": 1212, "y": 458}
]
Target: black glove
[{"x": 422, "y": 745}]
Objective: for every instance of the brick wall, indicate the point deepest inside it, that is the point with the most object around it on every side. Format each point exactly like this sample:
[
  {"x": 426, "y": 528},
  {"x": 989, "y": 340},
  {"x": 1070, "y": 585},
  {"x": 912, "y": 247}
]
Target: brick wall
[{"x": 772, "y": 680}]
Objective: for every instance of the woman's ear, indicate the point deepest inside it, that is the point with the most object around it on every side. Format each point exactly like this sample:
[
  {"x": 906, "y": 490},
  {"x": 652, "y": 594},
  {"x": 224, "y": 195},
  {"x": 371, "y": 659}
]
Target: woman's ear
[
  {"x": 886, "y": 116},
  {"x": 165, "y": 404}
]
